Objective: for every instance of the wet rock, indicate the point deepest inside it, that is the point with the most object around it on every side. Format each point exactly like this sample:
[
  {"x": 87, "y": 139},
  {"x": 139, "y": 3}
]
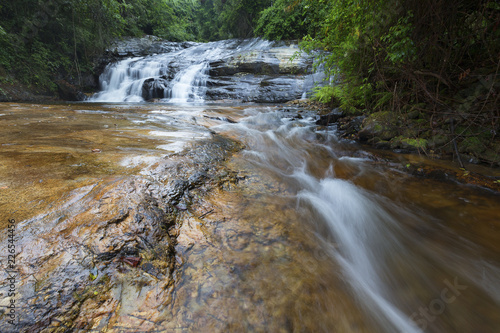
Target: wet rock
[
  {"x": 221, "y": 68},
  {"x": 101, "y": 235},
  {"x": 109, "y": 252},
  {"x": 154, "y": 88},
  {"x": 131, "y": 261},
  {"x": 176, "y": 191},
  {"x": 351, "y": 126},
  {"x": 267, "y": 76},
  {"x": 255, "y": 88},
  {"x": 225, "y": 119},
  {"x": 197, "y": 179},
  {"x": 330, "y": 118}
]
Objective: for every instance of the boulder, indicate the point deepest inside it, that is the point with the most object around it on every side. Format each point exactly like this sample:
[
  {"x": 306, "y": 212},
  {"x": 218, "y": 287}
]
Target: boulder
[
  {"x": 330, "y": 118},
  {"x": 383, "y": 125},
  {"x": 154, "y": 88},
  {"x": 69, "y": 92}
]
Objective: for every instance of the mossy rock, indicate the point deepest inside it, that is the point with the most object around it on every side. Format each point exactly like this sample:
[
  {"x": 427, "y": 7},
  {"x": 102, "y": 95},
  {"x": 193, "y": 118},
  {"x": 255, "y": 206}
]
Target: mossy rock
[
  {"x": 409, "y": 143},
  {"x": 472, "y": 145},
  {"x": 418, "y": 144},
  {"x": 415, "y": 114},
  {"x": 410, "y": 132},
  {"x": 383, "y": 125}
]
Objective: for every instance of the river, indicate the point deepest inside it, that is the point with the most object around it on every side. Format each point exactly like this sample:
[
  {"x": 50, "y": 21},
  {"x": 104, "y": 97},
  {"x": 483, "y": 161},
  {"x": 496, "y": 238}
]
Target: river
[{"x": 244, "y": 218}]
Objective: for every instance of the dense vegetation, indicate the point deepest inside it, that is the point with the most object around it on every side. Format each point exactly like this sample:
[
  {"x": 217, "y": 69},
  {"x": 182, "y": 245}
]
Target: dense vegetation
[
  {"x": 434, "y": 64},
  {"x": 40, "y": 40}
]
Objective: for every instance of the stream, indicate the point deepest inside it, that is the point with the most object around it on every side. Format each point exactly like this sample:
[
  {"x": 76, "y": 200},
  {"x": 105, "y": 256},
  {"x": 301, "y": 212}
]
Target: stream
[{"x": 199, "y": 214}]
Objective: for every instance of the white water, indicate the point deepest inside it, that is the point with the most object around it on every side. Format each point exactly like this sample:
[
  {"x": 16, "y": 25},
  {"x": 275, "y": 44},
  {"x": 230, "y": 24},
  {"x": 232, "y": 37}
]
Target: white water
[
  {"x": 190, "y": 85},
  {"x": 360, "y": 225}
]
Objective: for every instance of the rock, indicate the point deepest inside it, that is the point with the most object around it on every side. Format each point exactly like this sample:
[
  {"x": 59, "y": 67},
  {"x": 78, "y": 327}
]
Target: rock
[
  {"x": 264, "y": 76},
  {"x": 383, "y": 145},
  {"x": 69, "y": 92},
  {"x": 109, "y": 252},
  {"x": 352, "y": 126},
  {"x": 143, "y": 46},
  {"x": 383, "y": 125},
  {"x": 255, "y": 88},
  {"x": 225, "y": 119},
  {"x": 154, "y": 88},
  {"x": 330, "y": 118},
  {"x": 409, "y": 144}
]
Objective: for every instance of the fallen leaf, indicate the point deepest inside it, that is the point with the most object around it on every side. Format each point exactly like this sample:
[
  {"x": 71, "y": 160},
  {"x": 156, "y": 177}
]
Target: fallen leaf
[{"x": 132, "y": 261}]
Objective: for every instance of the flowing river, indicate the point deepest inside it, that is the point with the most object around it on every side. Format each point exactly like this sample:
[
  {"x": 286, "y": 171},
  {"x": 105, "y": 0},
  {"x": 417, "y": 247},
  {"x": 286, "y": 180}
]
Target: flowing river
[{"x": 193, "y": 216}]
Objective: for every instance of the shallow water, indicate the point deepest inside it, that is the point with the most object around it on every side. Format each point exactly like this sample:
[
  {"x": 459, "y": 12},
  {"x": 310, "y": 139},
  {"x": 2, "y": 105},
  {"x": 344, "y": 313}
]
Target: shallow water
[{"x": 317, "y": 235}]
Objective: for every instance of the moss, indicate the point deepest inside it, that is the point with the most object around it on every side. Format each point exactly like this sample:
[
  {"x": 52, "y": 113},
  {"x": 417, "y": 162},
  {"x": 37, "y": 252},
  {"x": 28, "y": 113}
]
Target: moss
[
  {"x": 409, "y": 143},
  {"x": 378, "y": 127},
  {"x": 415, "y": 143},
  {"x": 472, "y": 145},
  {"x": 382, "y": 124}
]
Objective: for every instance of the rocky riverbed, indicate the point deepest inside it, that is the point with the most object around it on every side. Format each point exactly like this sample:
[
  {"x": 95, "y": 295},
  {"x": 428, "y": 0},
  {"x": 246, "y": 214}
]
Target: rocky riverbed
[{"x": 144, "y": 217}]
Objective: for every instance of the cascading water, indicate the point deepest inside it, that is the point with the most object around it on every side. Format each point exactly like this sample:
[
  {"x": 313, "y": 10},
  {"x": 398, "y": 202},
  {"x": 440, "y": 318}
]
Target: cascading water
[
  {"x": 249, "y": 70},
  {"x": 190, "y": 85},
  {"x": 370, "y": 236}
]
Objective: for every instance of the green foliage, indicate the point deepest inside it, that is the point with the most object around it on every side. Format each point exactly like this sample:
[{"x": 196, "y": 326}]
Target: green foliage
[
  {"x": 400, "y": 47},
  {"x": 351, "y": 35},
  {"x": 324, "y": 94},
  {"x": 221, "y": 19},
  {"x": 206, "y": 18},
  {"x": 285, "y": 19},
  {"x": 40, "y": 40},
  {"x": 385, "y": 55}
]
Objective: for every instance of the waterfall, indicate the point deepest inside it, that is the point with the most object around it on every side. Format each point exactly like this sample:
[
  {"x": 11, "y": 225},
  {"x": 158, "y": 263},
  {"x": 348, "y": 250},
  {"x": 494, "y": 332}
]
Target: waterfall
[
  {"x": 190, "y": 85},
  {"x": 140, "y": 79},
  {"x": 253, "y": 70}
]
